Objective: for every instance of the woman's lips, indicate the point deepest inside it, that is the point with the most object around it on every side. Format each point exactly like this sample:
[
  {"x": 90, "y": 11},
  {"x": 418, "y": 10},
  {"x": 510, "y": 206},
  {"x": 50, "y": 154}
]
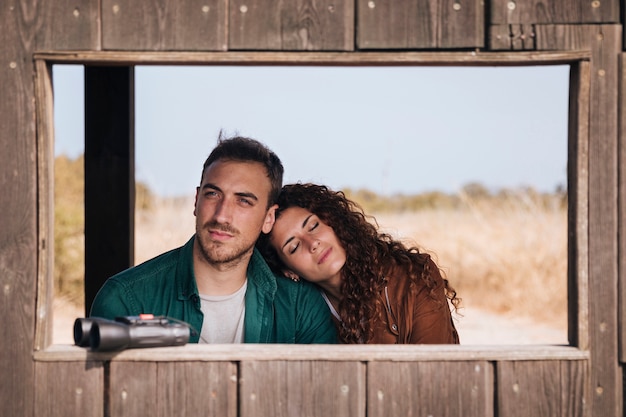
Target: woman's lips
[{"x": 324, "y": 255}]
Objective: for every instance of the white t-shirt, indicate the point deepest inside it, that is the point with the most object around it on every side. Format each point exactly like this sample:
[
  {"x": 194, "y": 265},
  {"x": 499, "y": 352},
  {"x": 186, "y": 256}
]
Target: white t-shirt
[{"x": 223, "y": 317}]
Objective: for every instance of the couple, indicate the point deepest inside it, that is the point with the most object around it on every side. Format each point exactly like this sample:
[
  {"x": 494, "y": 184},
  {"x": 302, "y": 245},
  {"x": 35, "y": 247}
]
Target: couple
[{"x": 377, "y": 290}]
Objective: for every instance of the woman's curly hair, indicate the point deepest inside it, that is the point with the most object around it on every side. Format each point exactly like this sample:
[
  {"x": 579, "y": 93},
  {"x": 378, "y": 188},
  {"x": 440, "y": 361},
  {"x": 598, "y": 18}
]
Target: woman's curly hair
[{"x": 370, "y": 255}]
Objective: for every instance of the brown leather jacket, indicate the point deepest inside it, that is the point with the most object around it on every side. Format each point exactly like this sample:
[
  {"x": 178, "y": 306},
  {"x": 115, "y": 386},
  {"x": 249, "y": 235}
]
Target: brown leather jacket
[{"x": 411, "y": 315}]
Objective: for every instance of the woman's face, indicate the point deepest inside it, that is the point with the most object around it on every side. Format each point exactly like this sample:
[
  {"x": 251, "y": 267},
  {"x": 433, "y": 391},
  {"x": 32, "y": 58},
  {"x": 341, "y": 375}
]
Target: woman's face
[{"x": 308, "y": 246}]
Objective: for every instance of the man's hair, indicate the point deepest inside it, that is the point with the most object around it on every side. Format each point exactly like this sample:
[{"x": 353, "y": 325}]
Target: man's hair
[{"x": 242, "y": 149}]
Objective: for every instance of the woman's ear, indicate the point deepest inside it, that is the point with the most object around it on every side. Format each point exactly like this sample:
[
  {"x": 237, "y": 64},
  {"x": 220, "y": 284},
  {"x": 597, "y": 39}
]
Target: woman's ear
[{"x": 291, "y": 275}]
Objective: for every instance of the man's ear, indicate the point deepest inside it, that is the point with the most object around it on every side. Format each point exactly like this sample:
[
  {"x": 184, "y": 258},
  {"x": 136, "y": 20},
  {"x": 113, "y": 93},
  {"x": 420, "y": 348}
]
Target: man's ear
[
  {"x": 195, "y": 202},
  {"x": 270, "y": 218},
  {"x": 291, "y": 275}
]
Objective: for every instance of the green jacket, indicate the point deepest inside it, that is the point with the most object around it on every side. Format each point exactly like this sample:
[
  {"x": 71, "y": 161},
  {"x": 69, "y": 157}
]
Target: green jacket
[{"x": 278, "y": 310}]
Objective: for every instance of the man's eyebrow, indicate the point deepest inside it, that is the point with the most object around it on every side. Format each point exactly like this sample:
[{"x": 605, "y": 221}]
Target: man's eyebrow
[
  {"x": 247, "y": 195},
  {"x": 239, "y": 194},
  {"x": 306, "y": 220},
  {"x": 211, "y": 186}
]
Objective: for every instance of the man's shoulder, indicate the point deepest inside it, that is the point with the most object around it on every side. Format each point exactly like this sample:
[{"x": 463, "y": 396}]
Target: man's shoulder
[{"x": 288, "y": 284}]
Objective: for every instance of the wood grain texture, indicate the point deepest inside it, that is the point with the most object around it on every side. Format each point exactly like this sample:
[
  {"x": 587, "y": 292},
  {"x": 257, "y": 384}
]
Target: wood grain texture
[
  {"x": 207, "y": 389},
  {"x": 69, "y": 389},
  {"x": 420, "y": 24},
  {"x": 550, "y": 11},
  {"x": 132, "y": 390},
  {"x": 18, "y": 205},
  {"x": 164, "y": 25},
  {"x": 374, "y": 58},
  {"x": 291, "y": 25},
  {"x": 172, "y": 389},
  {"x": 302, "y": 388},
  {"x": 339, "y": 353},
  {"x": 622, "y": 210},
  {"x": 45, "y": 192},
  {"x": 604, "y": 42},
  {"x": 606, "y": 377},
  {"x": 578, "y": 205},
  {"x": 430, "y": 389},
  {"x": 512, "y": 37},
  {"x": 538, "y": 389},
  {"x": 65, "y": 24}
]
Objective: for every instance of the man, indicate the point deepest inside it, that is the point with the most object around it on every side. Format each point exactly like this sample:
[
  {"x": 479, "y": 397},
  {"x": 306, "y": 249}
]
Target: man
[{"x": 218, "y": 282}]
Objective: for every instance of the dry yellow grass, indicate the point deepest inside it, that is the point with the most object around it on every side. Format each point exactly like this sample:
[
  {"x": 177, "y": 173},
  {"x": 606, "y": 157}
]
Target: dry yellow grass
[
  {"x": 168, "y": 224},
  {"x": 504, "y": 259}
]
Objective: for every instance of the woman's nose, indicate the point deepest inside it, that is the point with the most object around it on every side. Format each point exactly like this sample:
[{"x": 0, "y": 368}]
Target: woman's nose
[{"x": 314, "y": 245}]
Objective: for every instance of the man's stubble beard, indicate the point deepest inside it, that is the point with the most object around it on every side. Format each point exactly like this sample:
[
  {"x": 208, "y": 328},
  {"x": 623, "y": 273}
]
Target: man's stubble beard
[{"x": 218, "y": 254}]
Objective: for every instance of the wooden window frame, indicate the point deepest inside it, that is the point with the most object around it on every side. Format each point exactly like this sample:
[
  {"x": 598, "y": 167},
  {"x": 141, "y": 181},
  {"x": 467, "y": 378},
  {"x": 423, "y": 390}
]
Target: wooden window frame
[{"x": 578, "y": 216}]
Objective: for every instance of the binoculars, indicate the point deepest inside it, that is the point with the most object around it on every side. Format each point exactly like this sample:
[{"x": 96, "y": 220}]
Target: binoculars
[{"x": 127, "y": 332}]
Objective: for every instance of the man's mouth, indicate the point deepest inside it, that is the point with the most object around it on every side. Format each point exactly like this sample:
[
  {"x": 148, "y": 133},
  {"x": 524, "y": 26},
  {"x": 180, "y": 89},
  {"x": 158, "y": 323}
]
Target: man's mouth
[
  {"x": 221, "y": 232},
  {"x": 219, "y": 235}
]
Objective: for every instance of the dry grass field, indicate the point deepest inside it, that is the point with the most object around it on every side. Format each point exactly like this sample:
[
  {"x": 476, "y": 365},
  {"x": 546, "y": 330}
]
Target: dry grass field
[{"x": 508, "y": 262}]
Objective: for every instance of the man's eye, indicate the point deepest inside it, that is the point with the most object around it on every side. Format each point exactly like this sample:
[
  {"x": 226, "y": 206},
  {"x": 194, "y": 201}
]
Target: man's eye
[{"x": 246, "y": 202}]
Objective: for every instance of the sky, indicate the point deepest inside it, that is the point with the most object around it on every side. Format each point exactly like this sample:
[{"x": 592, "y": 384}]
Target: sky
[{"x": 387, "y": 129}]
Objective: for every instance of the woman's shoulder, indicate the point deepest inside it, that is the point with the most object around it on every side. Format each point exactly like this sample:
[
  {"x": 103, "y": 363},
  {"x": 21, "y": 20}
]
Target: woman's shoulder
[{"x": 401, "y": 278}]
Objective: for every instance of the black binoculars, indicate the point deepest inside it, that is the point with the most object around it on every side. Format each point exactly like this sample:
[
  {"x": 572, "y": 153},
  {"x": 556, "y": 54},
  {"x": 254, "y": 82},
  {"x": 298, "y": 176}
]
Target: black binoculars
[{"x": 128, "y": 332}]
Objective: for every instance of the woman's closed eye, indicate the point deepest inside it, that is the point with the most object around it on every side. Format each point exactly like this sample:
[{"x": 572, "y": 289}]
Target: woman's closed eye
[
  {"x": 295, "y": 244},
  {"x": 293, "y": 247}
]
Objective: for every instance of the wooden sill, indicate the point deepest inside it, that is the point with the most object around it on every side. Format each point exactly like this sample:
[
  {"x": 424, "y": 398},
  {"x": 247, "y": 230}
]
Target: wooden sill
[{"x": 263, "y": 352}]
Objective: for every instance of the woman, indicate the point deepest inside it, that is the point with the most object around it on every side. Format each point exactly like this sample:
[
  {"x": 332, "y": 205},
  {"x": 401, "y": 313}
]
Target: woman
[{"x": 378, "y": 290}]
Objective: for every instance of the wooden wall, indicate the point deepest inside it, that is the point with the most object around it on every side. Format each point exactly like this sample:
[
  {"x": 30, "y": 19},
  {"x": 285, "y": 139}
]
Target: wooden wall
[{"x": 584, "y": 379}]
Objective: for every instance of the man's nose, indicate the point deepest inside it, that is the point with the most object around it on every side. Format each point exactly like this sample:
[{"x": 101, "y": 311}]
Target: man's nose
[{"x": 224, "y": 211}]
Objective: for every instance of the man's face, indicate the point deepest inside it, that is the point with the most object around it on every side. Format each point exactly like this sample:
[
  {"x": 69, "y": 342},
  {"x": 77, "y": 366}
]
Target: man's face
[{"x": 231, "y": 211}]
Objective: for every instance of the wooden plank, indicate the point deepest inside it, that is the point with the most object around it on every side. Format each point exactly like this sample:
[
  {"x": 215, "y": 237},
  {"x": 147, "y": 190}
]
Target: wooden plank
[
  {"x": 474, "y": 58},
  {"x": 338, "y": 353},
  {"x": 68, "y": 25},
  {"x": 512, "y": 37},
  {"x": 622, "y": 210},
  {"x": 164, "y": 25},
  {"x": 430, "y": 389},
  {"x": 604, "y": 41},
  {"x": 565, "y": 37},
  {"x": 424, "y": 24},
  {"x": 109, "y": 175},
  {"x": 45, "y": 191},
  {"x": 69, "y": 389},
  {"x": 550, "y": 12},
  {"x": 398, "y": 25},
  {"x": 197, "y": 389},
  {"x": 606, "y": 376},
  {"x": 302, "y": 388},
  {"x": 461, "y": 24},
  {"x": 132, "y": 390},
  {"x": 575, "y": 392},
  {"x": 541, "y": 389},
  {"x": 19, "y": 246},
  {"x": 302, "y": 25},
  {"x": 578, "y": 205}
]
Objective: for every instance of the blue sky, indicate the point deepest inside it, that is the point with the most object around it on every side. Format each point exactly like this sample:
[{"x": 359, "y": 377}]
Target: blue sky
[{"x": 387, "y": 129}]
